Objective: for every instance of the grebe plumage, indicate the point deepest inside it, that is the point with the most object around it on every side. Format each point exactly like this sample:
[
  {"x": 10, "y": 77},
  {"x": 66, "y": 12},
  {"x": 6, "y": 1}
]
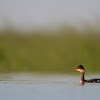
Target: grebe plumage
[{"x": 81, "y": 69}]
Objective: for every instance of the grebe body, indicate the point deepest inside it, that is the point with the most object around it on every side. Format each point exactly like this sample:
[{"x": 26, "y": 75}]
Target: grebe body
[{"x": 81, "y": 69}]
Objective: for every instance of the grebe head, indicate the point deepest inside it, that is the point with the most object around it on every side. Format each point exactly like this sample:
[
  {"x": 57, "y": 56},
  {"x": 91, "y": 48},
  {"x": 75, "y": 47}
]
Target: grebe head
[{"x": 80, "y": 68}]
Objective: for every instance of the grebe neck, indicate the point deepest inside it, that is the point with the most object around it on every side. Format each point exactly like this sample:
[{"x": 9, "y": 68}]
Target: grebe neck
[{"x": 82, "y": 76}]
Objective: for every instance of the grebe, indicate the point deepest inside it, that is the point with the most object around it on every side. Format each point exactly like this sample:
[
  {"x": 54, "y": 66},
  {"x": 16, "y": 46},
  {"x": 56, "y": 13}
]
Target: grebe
[{"x": 81, "y": 69}]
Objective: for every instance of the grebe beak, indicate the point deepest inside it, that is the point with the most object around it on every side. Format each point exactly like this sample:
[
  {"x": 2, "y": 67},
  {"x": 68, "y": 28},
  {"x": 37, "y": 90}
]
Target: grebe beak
[{"x": 75, "y": 69}]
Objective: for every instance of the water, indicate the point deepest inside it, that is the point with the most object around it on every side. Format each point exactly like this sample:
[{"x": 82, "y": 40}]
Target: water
[{"x": 46, "y": 87}]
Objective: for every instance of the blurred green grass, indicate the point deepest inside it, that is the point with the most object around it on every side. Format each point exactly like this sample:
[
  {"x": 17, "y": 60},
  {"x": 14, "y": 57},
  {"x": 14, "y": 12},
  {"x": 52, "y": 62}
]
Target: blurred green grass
[{"x": 59, "y": 51}]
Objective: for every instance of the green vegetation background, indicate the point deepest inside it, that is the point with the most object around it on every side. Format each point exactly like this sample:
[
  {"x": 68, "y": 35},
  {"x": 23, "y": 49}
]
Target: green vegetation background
[{"x": 46, "y": 50}]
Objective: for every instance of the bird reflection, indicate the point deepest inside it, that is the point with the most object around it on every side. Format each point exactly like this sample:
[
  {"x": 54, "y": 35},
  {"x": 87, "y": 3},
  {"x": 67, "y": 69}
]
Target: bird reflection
[{"x": 82, "y": 83}]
